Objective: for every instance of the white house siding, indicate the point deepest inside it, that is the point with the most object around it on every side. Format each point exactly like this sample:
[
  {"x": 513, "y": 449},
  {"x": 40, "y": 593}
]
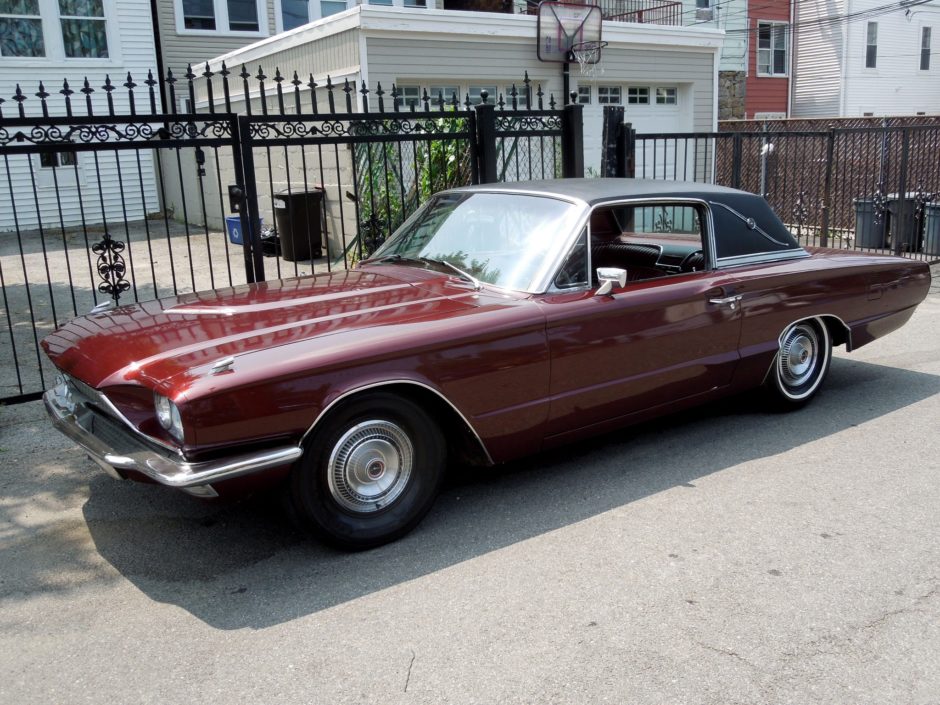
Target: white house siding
[
  {"x": 631, "y": 58},
  {"x": 94, "y": 193},
  {"x": 818, "y": 49},
  {"x": 181, "y": 49},
  {"x": 896, "y": 86}
]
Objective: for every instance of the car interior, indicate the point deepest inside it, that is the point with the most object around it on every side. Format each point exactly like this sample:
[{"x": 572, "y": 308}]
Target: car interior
[{"x": 647, "y": 241}]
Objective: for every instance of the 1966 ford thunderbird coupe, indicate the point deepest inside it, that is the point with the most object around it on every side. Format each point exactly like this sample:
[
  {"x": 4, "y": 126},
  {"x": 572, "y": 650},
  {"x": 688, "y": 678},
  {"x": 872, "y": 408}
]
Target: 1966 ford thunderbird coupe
[{"x": 497, "y": 321}]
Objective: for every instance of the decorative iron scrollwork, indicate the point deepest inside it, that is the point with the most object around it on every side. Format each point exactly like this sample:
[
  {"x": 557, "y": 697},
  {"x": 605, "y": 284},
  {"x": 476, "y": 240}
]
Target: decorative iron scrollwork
[
  {"x": 509, "y": 122},
  {"x": 111, "y": 267},
  {"x": 104, "y": 133}
]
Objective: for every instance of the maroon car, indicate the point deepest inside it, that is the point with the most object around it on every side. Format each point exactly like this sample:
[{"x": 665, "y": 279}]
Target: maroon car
[{"x": 498, "y": 321}]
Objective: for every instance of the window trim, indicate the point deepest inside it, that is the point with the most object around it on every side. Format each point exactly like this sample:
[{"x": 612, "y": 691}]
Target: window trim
[
  {"x": 773, "y": 24},
  {"x": 221, "y": 20},
  {"x": 588, "y": 93}
]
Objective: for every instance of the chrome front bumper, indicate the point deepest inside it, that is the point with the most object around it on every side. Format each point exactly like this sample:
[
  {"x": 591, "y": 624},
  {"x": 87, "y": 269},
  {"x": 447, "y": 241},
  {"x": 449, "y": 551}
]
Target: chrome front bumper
[{"x": 117, "y": 449}]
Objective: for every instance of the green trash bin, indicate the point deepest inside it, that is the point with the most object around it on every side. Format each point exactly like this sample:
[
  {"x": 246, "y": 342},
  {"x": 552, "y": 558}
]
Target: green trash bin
[
  {"x": 932, "y": 229},
  {"x": 870, "y": 222},
  {"x": 907, "y": 230},
  {"x": 297, "y": 217}
]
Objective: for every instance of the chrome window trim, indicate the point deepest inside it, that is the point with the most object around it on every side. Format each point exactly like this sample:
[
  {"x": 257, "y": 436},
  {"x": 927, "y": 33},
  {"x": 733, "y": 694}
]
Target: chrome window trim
[
  {"x": 387, "y": 383},
  {"x": 762, "y": 257}
]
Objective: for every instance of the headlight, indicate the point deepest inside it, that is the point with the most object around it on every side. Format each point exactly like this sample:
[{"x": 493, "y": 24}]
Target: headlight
[{"x": 169, "y": 416}]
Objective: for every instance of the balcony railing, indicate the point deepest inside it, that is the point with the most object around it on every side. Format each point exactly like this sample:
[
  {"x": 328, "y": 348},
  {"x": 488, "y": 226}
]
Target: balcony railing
[{"x": 642, "y": 11}]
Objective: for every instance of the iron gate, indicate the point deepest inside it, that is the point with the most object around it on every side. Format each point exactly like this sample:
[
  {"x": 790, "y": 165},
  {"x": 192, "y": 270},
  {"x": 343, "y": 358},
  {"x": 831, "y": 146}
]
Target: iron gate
[{"x": 128, "y": 203}]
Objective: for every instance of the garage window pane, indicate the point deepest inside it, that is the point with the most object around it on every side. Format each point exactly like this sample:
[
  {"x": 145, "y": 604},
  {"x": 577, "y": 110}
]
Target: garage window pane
[
  {"x": 638, "y": 96},
  {"x": 408, "y": 97},
  {"x": 608, "y": 95},
  {"x": 584, "y": 95},
  {"x": 666, "y": 96}
]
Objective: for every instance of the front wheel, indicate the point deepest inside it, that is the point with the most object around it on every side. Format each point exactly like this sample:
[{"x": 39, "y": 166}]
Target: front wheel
[
  {"x": 371, "y": 473},
  {"x": 801, "y": 363}
]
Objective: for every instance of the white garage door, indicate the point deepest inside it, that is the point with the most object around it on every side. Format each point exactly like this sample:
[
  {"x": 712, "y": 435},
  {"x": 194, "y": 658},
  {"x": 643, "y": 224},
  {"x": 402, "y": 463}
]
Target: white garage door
[{"x": 651, "y": 108}]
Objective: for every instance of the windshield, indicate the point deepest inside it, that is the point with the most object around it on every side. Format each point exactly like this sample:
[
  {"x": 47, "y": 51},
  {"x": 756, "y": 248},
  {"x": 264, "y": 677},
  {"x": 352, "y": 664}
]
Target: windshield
[{"x": 505, "y": 239}]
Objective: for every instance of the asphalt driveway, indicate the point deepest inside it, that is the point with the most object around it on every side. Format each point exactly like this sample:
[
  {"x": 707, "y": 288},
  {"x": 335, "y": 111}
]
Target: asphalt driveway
[{"x": 727, "y": 555}]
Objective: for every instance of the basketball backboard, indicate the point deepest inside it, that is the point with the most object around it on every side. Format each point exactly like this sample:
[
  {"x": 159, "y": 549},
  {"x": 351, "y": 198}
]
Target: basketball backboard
[{"x": 562, "y": 25}]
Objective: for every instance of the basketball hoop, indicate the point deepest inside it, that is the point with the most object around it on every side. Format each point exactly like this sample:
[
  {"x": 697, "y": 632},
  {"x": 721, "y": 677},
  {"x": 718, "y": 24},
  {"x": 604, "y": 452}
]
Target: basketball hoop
[{"x": 587, "y": 54}]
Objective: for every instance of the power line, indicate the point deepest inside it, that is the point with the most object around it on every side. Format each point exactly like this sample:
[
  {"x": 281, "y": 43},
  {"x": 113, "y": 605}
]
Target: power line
[{"x": 848, "y": 18}]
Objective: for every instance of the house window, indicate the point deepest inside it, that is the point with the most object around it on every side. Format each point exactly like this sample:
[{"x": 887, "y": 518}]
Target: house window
[
  {"x": 638, "y": 96},
  {"x": 772, "y": 48},
  {"x": 408, "y": 97},
  {"x": 491, "y": 95},
  {"x": 21, "y": 28},
  {"x": 702, "y": 4},
  {"x": 331, "y": 7},
  {"x": 925, "y": 49},
  {"x": 84, "y": 29},
  {"x": 198, "y": 14},
  {"x": 608, "y": 95},
  {"x": 666, "y": 96},
  {"x": 51, "y": 160},
  {"x": 243, "y": 15},
  {"x": 871, "y": 47},
  {"x": 294, "y": 13},
  {"x": 239, "y": 16},
  {"x": 584, "y": 95},
  {"x": 416, "y": 3}
]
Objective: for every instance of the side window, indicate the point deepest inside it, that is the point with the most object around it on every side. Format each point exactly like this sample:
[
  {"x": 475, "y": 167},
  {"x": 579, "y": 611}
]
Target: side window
[
  {"x": 648, "y": 241},
  {"x": 573, "y": 272}
]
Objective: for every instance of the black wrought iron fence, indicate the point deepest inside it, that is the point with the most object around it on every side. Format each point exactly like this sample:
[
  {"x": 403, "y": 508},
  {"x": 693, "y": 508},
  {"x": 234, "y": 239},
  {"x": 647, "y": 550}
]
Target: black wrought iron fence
[
  {"x": 104, "y": 197},
  {"x": 870, "y": 188}
]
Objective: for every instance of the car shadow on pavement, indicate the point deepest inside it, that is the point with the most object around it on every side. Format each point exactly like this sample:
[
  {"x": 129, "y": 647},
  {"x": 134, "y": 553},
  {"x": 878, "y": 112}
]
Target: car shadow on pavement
[{"x": 242, "y": 565}]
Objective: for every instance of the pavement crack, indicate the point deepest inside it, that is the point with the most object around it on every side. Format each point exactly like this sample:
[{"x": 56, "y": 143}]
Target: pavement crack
[
  {"x": 727, "y": 652},
  {"x": 410, "y": 665}
]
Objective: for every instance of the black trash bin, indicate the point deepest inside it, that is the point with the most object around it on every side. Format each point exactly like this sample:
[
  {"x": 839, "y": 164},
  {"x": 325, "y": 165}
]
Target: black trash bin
[
  {"x": 297, "y": 216},
  {"x": 932, "y": 229},
  {"x": 907, "y": 231},
  {"x": 870, "y": 224}
]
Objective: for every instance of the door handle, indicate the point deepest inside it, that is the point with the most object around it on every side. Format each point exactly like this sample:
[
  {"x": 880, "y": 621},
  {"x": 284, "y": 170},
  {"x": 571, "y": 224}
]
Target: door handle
[{"x": 731, "y": 301}]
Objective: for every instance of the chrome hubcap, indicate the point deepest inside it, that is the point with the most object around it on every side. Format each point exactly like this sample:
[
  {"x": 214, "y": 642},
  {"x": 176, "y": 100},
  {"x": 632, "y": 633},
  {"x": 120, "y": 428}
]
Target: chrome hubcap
[
  {"x": 370, "y": 466},
  {"x": 798, "y": 356}
]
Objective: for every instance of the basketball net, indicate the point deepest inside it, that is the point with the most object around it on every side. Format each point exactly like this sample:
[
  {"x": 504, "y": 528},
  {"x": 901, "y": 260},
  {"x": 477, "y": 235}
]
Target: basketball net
[{"x": 588, "y": 54}]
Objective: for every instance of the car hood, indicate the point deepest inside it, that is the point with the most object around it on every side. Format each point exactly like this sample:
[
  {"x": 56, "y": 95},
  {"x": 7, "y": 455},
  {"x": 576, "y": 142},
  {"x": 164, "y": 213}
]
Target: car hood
[{"x": 163, "y": 342}]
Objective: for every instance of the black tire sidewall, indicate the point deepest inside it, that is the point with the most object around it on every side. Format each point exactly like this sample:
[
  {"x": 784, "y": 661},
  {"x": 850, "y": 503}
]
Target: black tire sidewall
[{"x": 310, "y": 490}]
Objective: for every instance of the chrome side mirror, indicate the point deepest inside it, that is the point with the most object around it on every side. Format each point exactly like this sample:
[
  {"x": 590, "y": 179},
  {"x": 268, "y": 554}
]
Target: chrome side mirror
[{"x": 608, "y": 276}]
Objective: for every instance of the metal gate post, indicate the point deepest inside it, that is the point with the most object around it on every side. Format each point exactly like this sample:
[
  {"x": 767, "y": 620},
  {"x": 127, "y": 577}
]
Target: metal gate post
[
  {"x": 250, "y": 214},
  {"x": 736, "y": 161},
  {"x": 486, "y": 140},
  {"x": 827, "y": 189},
  {"x": 612, "y": 142},
  {"x": 572, "y": 140},
  {"x": 897, "y": 244}
]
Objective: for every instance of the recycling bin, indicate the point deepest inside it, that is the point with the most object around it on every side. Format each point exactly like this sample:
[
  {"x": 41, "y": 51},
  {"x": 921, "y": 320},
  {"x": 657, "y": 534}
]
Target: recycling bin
[
  {"x": 233, "y": 225},
  {"x": 870, "y": 230},
  {"x": 297, "y": 217}
]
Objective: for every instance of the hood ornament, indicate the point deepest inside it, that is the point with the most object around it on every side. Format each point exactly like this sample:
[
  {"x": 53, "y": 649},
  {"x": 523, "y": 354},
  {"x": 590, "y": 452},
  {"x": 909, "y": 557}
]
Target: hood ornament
[{"x": 224, "y": 365}]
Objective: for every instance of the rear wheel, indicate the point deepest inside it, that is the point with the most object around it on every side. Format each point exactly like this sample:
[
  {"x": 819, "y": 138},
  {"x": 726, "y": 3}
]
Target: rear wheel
[
  {"x": 801, "y": 363},
  {"x": 371, "y": 472}
]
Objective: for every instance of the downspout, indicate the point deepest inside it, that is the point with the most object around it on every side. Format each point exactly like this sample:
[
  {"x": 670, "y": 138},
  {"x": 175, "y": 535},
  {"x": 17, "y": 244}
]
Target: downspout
[
  {"x": 790, "y": 50},
  {"x": 158, "y": 48}
]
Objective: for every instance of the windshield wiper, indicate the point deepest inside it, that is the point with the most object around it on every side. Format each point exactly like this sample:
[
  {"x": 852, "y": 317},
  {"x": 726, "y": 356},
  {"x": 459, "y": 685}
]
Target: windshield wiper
[
  {"x": 396, "y": 258},
  {"x": 457, "y": 270}
]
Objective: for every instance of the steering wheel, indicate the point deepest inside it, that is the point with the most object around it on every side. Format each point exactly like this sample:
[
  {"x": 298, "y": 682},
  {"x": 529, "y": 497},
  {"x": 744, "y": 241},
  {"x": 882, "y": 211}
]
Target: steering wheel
[{"x": 686, "y": 265}]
